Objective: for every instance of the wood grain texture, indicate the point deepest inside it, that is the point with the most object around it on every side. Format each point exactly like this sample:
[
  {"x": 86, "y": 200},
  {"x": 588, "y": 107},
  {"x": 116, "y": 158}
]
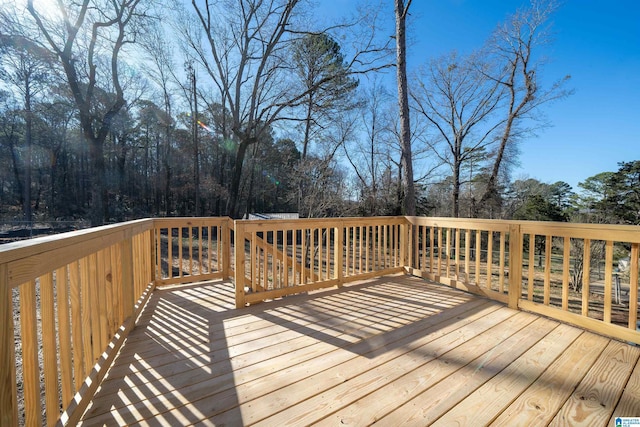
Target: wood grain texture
[
  {"x": 8, "y": 394},
  {"x": 49, "y": 356},
  {"x": 503, "y": 388},
  {"x": 64, "y": 330},
  {"x": 593, "y": 401},
  {"x": 541, "y": 401},
  {"x": 392, "y": 351},
  {"x": 30, "y": 365},
  {"x": 629, "y": 403}
]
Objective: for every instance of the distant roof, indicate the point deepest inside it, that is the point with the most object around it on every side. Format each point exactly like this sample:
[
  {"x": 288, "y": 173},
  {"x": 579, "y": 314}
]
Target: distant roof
[{"x": 274, "y": 216}]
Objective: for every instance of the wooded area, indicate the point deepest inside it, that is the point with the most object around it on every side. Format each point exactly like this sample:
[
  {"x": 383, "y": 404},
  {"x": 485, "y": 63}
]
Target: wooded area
[{"x": 113, "y": 110}]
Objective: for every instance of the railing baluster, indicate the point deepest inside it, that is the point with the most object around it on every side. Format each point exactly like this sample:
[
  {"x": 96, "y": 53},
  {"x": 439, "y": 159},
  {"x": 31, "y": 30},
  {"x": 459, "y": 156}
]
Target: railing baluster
[
  {"x": 103, "y": 303},
  {"x": 448, "y": 253},
  {"x": 490, "y": 260},
  {"x": 95, "y": 313},
  {"x": 76, "y": 325},
  {"x": 439, "y": 246},
  {"x": 586, "y": 276},
  {"x": 64, "y": 329},
  {"x": 633, "y": 286},
  {"x": 30, "y": 367},
  {"x": 502, "y": 262},
  {"x": 170, "y": 250},
  {"x": 608, "y": 280},
  {"x": 515, "y": 265},
  {"x": 477, "y": 254},
  {"x": 85, "y": 304},
  {"x": 566, "y": 258},
  {"x": 8, "y": 389},
  {"x": 467, "y": 256},
  {"x": 547, "y": 269},
  {"x": 532, "y": 266},
  {"x": 50, "y": 360},
  {"x": 431, "y": 248},
  {"x": 190, "y": 231}
]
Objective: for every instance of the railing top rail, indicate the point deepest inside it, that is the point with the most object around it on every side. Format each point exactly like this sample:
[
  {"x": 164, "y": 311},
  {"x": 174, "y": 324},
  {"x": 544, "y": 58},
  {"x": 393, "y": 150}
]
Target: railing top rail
[
  {"x": 292, "y": 224},
  {"x": 26, "y": 248},
  {"x": 614, "y": 232},
  {"x": 189, "y": 221},
  {"x": 464, "y": 223}
]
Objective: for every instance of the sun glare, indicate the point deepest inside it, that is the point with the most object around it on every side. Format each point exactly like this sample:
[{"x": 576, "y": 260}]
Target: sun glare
[{"x": 47, "y": 9}]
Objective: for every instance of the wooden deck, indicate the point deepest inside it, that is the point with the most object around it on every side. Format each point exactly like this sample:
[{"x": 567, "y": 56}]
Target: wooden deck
[{"x": 393, "y": 351}]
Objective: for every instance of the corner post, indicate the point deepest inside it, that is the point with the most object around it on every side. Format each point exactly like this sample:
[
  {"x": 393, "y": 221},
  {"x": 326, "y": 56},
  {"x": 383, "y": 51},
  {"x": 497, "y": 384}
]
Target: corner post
[
  {"x": 238, "y": 238},
  {"x": 8, "y": 392},
  {"x": 225, "y": 247},
  {"x": 404, "y": 243},
  {"x": 515, "y": 265}
]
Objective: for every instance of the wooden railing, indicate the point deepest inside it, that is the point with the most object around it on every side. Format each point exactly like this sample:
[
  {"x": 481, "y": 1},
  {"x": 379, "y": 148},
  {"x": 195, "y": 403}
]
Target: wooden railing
[
  {"x": 191, "y": 249},
  {"x": 542, "y": 267},
  {"x": 284, "y": 257},
  {"x": 606, "y": 303},
  {"x": 67, "y": 302}
]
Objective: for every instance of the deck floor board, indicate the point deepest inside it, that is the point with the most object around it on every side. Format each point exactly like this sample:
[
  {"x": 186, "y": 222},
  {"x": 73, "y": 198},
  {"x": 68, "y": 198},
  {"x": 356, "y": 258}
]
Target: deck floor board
[{"x": 392, "y": 350}]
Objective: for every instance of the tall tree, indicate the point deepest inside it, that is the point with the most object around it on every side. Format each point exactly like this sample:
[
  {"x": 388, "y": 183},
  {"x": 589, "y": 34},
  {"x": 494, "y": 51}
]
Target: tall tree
[
  {"x": 243, "y": 54},
  {"x": 370, "y": 151},
  {"x": 25, "y": 66},
  {"x": 406, "y": 160},
  {"x": 161, "y": 72},
  {"x": 245, "y": 47},
  {"x": 324, "y": 78},
  {"x": 85, "y": 33},
  {"x": 456, "y": 97},
  {"x": 513, "y": 48},
  {"x": 614, "y": 197}
]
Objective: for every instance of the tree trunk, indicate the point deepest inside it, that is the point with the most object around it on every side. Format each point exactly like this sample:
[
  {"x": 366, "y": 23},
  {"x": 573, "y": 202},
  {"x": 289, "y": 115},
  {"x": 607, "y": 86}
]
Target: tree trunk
[
  {"x": 456, "y": 189},
  {"x": 29, "y": 152},
  {"x": 98, "y": 193},
  {"x": 406, "y": 160},
  {"x": 234, "y": 196}
]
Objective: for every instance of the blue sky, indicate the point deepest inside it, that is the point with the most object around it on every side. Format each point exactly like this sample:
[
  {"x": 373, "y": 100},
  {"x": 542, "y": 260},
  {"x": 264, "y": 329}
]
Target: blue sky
[{"x": 596, "y": 42}]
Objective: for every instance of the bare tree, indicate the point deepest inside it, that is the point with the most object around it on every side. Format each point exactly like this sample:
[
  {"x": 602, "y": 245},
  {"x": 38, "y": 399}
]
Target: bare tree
[
  {"x": 369, "y": 154},
  {"x": 401, "y": 10},
  {"x": 514, "y": 47},
  {"x": 245, "y": 47},
  {"x": 456, "y": 97},
  {"x": 85, "y": 33},
  {"x": 25, "y": 65},
  {"x": 162, "y": 74}
]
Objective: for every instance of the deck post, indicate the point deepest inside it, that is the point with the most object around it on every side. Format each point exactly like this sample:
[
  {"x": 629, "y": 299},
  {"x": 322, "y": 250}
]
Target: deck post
[
  {"x": 515, "y": 265},
  {"x": 404, "y": 243},
  {"x": 238, "y": 236},
  {"x": 225, "y": 246},
  {"x": 8, "y": 392}
]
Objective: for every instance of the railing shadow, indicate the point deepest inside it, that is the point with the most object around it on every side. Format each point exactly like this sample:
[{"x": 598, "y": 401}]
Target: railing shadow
[
  {"x": 370, "y": 318},
  {"x": 175, "y": 366}
]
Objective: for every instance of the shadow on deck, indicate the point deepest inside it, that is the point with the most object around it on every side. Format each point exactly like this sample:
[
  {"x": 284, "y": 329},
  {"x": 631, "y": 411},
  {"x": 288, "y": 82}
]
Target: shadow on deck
[{"x": 395, "y": 350}]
